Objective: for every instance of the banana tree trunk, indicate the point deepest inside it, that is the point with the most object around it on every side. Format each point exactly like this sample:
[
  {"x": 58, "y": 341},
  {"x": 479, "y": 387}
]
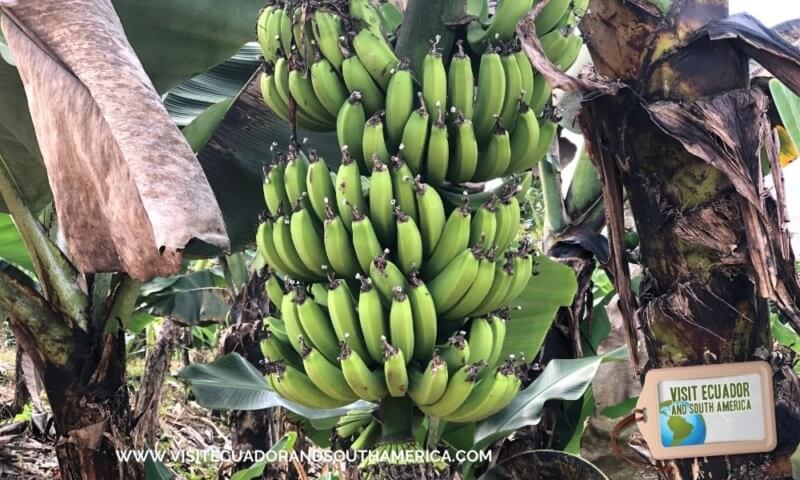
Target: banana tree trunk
[{"x": 678, "y": 129}]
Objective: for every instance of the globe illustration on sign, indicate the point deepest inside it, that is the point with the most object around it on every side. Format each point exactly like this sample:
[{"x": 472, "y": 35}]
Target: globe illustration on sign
[{"x": 678, "y": 430}]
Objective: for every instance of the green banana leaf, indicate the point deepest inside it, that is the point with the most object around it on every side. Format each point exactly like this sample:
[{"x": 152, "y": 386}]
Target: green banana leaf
[
  {"x": 256, "y": 470},
  {"x": 12, "y": 249},
  {"x": 232, "y": 383},
  {"x": 191, "y": 298},
  {"x": 561, "y": 379},
  {"x": 552, "y": 286},
  {"x": 788, "y": 105},
  {"x": 175, "y": 40},
  {"x": 156, "y": 470}
]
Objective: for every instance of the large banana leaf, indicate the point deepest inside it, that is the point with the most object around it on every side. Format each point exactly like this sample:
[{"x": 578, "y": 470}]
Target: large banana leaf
[
  {"x": 552, "y": 286},
  {"x": 232, "y": 383},
  {"x": 175, "y": 40},
  {"x": 12, "y": 249}
]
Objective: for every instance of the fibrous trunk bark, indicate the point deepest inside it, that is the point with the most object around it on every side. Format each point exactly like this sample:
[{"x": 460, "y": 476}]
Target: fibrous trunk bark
[{"x": 683, "y": 137}]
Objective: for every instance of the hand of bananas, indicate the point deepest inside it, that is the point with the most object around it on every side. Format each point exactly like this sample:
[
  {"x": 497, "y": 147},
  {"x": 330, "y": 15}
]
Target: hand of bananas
[
  {"x": 473, "y": 117},
  {"x": 376, "y": 272}
]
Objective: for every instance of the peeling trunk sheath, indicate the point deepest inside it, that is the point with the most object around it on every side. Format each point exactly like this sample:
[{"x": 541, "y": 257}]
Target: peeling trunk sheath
[{"x": 698, "y": 301}]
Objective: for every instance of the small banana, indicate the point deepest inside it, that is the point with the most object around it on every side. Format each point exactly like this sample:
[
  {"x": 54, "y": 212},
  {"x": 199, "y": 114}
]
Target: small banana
[
  {"x": 266, "y": 246},
  {"x": 514, "y": 87},
  {"x": 381, "y": 199},
  {"x": 423, "y": 311},
  {"x": 438, "y": 155},
  {"x": 524, "y": 140},
  {"x": 399, "y": 102},
  {"x": 498, "y": 326},
  {"x": 302, "y": 91},
  {"x": 368, "y": 384},
  {"x": 449, "y": 285},
  {"x": 296, "y": 386},
  {"x": 503, "y": 24},
  {"x": 386, "y": 276},
  {"x": 547, "y": 134},
  {"x": 327, "y": 28},
  {"x": 454, "y": 239},
  {"x": 465, "y": 159},
  {"x": 353, "y": 422},
  {"x": 325, "y": 374},
  {"x": 339, "y": 246},
  {"x": 328, "y": 87},
  {"x": 377, "y": 56},
  {"x": 508, "y": 218},
  {"x": 286, "y": 33},
  {"x": 374, "y": 141},
  {"x": 394, "y": 369},
  {"x": 523, "y": 269},
  {"x": 372, "y": 318},
  {"x": 401, "y": 323},
  {"x": 365, "y": 13},
  {"x": 461, "y": 83},
  {"x": 570, "y": 54},
  {"x": 409, "y": 243},
  {"x": 275, "y": 350},
  {"x": 491, "y": 95},
  {"x": 365, "y": 240},
  {"x": 294, "y": 178},
  {"x": 403, "y": 187},
  {"x": 527, "y": 75},
  {"x": 434, "y": 80},
  {"x": 319, "y": 186},
  {"x": 541, "y": 95},
  {"x": 342, "y": 310},
  {"x": 291, "y": 319},
  {"x": 459, "y": 387},
  {"x": 302, "y": 33},
  {"x": 455, "y": 353},
  {"x": 503, "y": 276},
  {"x": 415, "y": 137},
  {"x": 274, "y": 193},
  {"x": 269, "y": 93},
  {"x": 484, "y": 225},
  {"x": 495, "y": 159},
  {"x": 265, "y": 32},
  {"x": 481, "y": 340},
  {"x": 489, "y": 396},
  {"x": 550, "y": 15},
  {"x": 357, "y": 79},
  {"x": 307, "y": 242},
  {"x": 350, "y": 124},
  {"x": 274, "y": 289},
  {"x": 553, "y": 44},
  {"x": 284, "y": 246},
  {"x": 317, "y": 326},
  {"x": 431, "y": 216},
  {"x": 348, "y": 189},
  {"x": 428, "y": 387},
  {"x": 480, "y": 287}
]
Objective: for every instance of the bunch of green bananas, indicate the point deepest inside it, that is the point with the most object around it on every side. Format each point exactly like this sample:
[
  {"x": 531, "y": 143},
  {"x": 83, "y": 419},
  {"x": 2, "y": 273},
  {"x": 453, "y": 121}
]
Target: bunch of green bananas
[
  {"x": 477, "y": 117},
  {"x": 373, "y": 281},
  {"x": 314, "y": 62}
]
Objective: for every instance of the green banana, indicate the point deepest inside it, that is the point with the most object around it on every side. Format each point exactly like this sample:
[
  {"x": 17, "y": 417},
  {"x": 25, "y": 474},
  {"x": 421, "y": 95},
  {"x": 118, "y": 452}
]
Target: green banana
[
  {"x": 550, "y": 15},
  {"x": 368, "y": 384},
  {"x": 570, "y": 54},
  {"x": 377, "y": 56},
  {"x": 438, "y": 154},
  {"x": 414, "y": 143},
  {"x": 286, "y": 33},
  {"x": 399, "y": 102},
  {"x": 350, "y": 128},
  {"x": 284, "y": 246},
  {"x": 366, "y": 15},
  {"x": 282, "y": 80},
  {"x": 274, "y": 193},
  {"x": 459, "y": 387},
  {"x": 498, "y": 326},
  {"x": 524, "y": 140},
  {"x": 367, "y": 439},
  {"x": 265, "y": 32},
  {"x": 527, "y": 75},
  {"x": 319, "y": 186},
  {"x": 409, "y": 242},
  {"x": 428, "y": 387},
  {"x": 465, "y": 161},
  {"x": 291, "y": 319},
  {"x": 423, "y": 312},
  {"x": 503, "y": 277},
  {"x": 372, "y": 318},
  {"x": 553, "y": 44},
  {"x": 481, "y": 340},
  {"x": 327, "y": 28},
  {"x": 514, "y": 88},
  {"x": 339, "y": 246},
  {"x": 541, "y": 94},
  {"x": 265, "y": 244},
  {"x": 269, "y": 94},
  {"x": 274, "y": 289},
  {"x": 453, "y": 240},
  {"x": 401, "y": 323},
  {"x": 403, "y": 187},
  {"x": 449, "y": 285},
  {"x": 523, "y": 269},
  {"x": 491, "y": 95},
  {"x": 328, "y": 87},
  {"x": 365, "y": 240},
  {"x": 547, "y": 134},
  {"x": 374, "y": 141},
  {"x": 342, "y": 311},
  {"x": 302, "y": 33},
  {"x": 296, "y": 386},
  {"x": 317, "y": 326},
  {"x": 381, "y": 199},
  {"x": 325, "y": 374},
  {"x": 431, "y": 216},
  {"x": 484, "y": 225},
  {"x": 461, "y": 84},
  {"x": 277, "y": 327},
  {"x": 386, "y": 276},
  {"x": 307, "y": 242},
  {"x": 357, "y": 79},
  {"x": 473, "y": 297},
  {"x": 503, "y": 24},
  {"x": 275, "y": 350},
  {"x": 495, "y": 160},
  {"x": 353, "y": 422},
  {"x": 434, "y": 81},
  {"x": 455, "y": 353},
  {"x": 294, "y": 178},
  {"x": 394, "y": 370},
  {"x": 508, "y": 221},
  {"x": 302, "y": 91},
  {"x": 349, "y": 195},
  {"x": 486, "y": 397}
]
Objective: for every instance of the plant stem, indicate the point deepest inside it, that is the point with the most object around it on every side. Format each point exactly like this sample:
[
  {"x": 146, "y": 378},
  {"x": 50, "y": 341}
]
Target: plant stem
[{"x": 395, "y": 415}]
